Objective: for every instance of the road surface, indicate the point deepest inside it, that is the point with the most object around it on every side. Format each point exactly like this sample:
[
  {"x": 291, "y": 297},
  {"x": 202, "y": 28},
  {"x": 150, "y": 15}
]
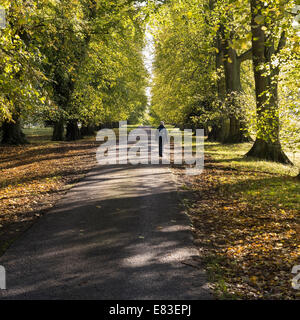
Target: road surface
[{"x": 118, "y": 234}]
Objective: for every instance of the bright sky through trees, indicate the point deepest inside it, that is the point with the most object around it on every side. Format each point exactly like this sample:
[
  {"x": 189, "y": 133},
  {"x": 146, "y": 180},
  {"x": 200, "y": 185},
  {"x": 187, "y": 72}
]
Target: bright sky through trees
[{"x": 149, "y": 53}]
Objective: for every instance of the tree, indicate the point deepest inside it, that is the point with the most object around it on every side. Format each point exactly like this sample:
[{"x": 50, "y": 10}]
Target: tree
[
  {"x": 111, "y": 84},
  {"x": 184, "y": 86},
  {"x": 20, "y": 65},
  {"x": 44, "y": 50},
  {"x": 232, "y": 49},
  {"x": 267, "y": 21},
  {"x": 90, "y": 40}
]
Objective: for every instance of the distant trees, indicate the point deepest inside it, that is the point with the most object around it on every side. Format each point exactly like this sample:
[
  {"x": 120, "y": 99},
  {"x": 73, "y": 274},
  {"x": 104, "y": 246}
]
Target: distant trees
[
  {"x": 229, "y": 66},
  {"x": 68, "y": 62}
]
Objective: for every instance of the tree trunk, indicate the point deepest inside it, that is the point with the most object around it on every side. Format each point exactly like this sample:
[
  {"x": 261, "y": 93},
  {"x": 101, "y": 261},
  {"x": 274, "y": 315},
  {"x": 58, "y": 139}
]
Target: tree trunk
[
  {"x": 58, "y": 131},
  {"x": 12, "y": 133},
  {"x": 268, "y": 151},
  {"x": 206, "y": 131},
  {"x": 88, "y": 130},
  {"x": 73, "y": 132},
  {"x": 236, "y": 132},
  {"x": 220, "y": 132},
  {"x": 232, "y": 67},
  {"x": 213, "y": 133},
  {"x": 267, "y": 145},
  {"x": 224, "y": 130}
]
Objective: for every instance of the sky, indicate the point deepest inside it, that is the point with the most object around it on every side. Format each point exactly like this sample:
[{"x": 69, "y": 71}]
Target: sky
[{"x": 148, "y": 53}]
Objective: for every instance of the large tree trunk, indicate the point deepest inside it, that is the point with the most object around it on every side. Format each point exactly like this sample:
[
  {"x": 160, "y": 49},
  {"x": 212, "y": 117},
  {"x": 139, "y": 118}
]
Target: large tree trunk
[
  {"x": 232, "y": 67},
  {"x": 12, "y": 133},
  {"x": 268, "y": 151},
  {"x": 237, "y": 132},
  {"x": 58, "y": 131},
  {"x": 213, "y": 133},
  {"x": 220, "y": 132},
  {"x": 224, "y": 130},
  {"x": 267, "y": 145},
  {"x": 87, "y": 130},
  {"x": 206, "y": 131},
  {"x": 73, "y": 132}
]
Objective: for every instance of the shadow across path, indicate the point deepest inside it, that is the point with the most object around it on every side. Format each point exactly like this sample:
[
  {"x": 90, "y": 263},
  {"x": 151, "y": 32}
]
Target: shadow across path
[{"x": 118, "y": 234}]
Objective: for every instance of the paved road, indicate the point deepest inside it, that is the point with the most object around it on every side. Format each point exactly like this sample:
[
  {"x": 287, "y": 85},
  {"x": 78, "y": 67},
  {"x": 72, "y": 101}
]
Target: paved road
[{"x": 118, "y": 234}]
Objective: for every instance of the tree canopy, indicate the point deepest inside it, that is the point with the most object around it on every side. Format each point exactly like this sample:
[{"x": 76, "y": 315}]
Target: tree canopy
[
  {"x": 68, "y": 61},
  {"x": 229, "y": 66}
]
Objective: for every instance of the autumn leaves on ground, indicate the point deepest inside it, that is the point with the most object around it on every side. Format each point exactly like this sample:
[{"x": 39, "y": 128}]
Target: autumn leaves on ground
[
  {"x": 245, "y": 215},
  {"x": 34, "y": 176}
]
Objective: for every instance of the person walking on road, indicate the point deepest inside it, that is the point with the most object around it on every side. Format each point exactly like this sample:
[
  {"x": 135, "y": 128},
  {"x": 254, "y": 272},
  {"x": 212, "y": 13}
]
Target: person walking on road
[{"x": 162, "y": 137}]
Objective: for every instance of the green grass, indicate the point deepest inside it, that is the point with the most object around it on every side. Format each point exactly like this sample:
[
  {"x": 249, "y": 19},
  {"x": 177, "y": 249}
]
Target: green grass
[
  {"x": 215, "y": 274},
  {"x": 277, "y": 188},
  {"x": 43, "y": 135},
  {"x": 38, "y": 135},
  {"x": 233, "y": 155}
]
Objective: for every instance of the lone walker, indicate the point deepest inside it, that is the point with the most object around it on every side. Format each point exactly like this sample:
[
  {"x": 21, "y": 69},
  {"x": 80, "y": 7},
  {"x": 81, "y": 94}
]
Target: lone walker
[{"x": 162, "y": 137}]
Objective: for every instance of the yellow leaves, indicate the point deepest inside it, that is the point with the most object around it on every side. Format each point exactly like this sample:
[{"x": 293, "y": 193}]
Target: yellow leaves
[
  {"x": 259, "y": 19},
  {"x": 253, "y": 279},
  {"x": 189, "y": 14},
  {"x": 254, "y": 239},
  {"x": 243, "y": 43},
  {"x": 32, "y": 176}
]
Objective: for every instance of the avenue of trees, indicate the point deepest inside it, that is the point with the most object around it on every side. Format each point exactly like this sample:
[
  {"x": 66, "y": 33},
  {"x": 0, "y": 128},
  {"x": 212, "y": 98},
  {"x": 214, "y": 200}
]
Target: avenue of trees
[
  {"x": 229, "y": 66},
  {"x": 232, "y": 67},
  {"x": 68, "y": 62}
]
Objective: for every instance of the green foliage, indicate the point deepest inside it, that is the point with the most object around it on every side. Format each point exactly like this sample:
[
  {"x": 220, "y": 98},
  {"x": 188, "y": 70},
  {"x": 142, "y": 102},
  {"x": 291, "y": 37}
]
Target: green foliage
[
  {"x": 191, "y": 87},
  {"x": 184, "y": 63},
  {"x": 111, "y": 83},
  {"x": 20, "y": 61},
  {"x": 81, "y": 60}
]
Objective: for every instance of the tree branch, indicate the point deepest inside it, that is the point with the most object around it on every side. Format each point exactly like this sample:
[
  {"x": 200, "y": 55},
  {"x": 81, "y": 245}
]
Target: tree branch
[
  {"x": 245, "y": 56},
  {"x": 282, "y": 42}
]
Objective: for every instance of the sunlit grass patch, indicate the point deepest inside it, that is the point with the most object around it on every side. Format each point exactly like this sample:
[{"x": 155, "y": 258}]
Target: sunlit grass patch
[
  {"x": 38, "y": 135},
  {"x": 281, "y": 192},
  {"x": 233, "y": 155}
]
